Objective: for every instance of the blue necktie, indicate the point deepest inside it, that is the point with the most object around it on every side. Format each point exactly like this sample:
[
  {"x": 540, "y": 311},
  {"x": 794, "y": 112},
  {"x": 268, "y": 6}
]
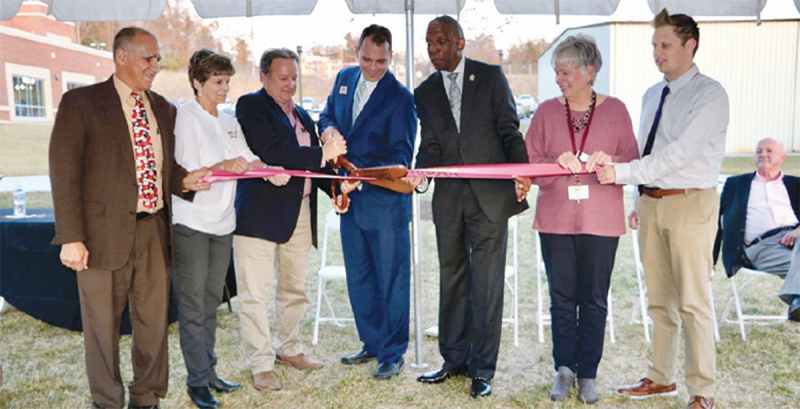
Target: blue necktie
[{"x": 651, "y": 137}]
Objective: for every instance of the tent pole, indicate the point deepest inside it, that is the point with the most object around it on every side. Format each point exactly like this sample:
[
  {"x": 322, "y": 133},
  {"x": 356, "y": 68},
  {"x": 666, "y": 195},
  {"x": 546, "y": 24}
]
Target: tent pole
[{"x": 415, "y": 264}]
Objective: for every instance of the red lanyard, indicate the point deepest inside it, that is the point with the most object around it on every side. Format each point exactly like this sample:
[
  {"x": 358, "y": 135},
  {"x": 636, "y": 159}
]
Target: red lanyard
[{"x": 585, "y": 130}]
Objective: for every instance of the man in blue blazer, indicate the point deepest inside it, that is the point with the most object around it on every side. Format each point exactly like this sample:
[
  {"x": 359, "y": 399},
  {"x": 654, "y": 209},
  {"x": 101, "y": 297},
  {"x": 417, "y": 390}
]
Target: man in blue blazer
[
  {"x": 376, "y": 116},
  {"x": 277, "y": 223},
  {"x": 758, "y": 223},
  {"x": 467, "y": 115}
]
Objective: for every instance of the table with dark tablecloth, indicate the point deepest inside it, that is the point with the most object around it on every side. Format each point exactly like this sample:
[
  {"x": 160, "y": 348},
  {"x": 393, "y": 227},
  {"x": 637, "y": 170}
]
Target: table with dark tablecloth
[{"x": 32, "y": 278}]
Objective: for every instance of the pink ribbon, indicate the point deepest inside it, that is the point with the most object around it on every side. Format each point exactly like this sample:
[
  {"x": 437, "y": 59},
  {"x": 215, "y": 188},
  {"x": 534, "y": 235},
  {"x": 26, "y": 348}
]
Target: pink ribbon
[
  {"x": 223, "y": 175},
  {"x": 494, "y": 171},
  {"x": 489, "y": 171}
]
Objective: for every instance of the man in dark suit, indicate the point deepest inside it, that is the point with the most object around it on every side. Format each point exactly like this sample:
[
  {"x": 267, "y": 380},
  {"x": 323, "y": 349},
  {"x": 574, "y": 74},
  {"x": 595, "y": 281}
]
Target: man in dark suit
[
  {"x": 758, "y": 223},
  {"x": 113, "y": 171},
  {"x": 375, "y": 113},
  {"x": 467, "y": 115},
  {"x": 277, "y": 223}
]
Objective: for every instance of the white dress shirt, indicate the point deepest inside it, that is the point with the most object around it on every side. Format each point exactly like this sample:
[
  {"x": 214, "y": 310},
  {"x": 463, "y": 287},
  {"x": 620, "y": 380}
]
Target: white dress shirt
[
  {"x": 768, "y": 207},
  {"x": 367, "y": 91},
  {"x": 690, "y": 140},
  {"x": 204, "y": 140}
]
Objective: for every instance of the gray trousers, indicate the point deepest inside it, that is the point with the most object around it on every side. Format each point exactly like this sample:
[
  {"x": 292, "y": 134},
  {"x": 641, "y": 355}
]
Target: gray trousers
[
  {"x": 772, "y": 257},
  {"x": 201, "y": 264}
]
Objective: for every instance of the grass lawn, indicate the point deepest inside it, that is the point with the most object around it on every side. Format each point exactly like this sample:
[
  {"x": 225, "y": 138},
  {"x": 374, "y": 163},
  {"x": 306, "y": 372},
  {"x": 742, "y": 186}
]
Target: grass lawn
[{"x": 44, "y": 366}]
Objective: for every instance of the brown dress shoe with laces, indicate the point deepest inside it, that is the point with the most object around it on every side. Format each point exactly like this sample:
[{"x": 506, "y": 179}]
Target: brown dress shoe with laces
[
  {"x": 266, "y": 381},
  {"x": 648, "y": 389},
  {"x": 699, "y": 402},
  {"x": 300, "y": 361}
]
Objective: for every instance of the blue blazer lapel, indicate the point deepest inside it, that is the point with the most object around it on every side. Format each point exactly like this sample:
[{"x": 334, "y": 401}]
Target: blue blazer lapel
[
  {"x": 745, "y": 189},
  {"x": 468, "y": 91},
  {"x": 351, "y": 84},
  {"x": 273, "y": 106}
]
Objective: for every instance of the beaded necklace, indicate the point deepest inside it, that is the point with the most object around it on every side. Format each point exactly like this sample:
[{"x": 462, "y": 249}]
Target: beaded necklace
[{"x": 579, "y": 123}]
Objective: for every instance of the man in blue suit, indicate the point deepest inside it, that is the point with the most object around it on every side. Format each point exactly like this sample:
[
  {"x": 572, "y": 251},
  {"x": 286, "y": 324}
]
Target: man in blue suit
[
  {"x": 376, "y": 116},
  {"x": 758, "y": 224}
]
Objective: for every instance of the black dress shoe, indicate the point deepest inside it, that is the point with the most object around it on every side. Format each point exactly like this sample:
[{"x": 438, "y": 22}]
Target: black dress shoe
[
  {"x": 387, "y": 370},
  {"x": 442, "y": 375},
  {"x": 132, "y": 406},
  {"x": 202, "y": 397},
  {"x": 359, "y": 357},
  {"x": 222, "y": 386},
  {"x": 480, "y": 387},
  {"x": 794, "y": 309}
]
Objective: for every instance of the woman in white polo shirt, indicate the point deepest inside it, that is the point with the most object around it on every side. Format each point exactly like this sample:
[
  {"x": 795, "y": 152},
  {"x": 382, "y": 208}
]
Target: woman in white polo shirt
[{"x": 204, "y": 227}]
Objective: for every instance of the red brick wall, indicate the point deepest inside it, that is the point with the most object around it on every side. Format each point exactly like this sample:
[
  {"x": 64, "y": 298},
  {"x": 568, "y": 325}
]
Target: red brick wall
[{"x": 21, "y": 51}]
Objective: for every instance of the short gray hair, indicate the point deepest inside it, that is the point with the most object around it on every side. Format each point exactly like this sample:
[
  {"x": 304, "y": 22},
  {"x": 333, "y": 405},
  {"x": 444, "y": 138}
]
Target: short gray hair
[
  {"x": 579, "y": 51},
  {"x": 273, "y": 53}
]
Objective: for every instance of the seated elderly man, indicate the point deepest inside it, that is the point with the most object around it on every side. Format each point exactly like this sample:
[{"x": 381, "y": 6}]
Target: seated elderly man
[{"x": 759, "y": 222}]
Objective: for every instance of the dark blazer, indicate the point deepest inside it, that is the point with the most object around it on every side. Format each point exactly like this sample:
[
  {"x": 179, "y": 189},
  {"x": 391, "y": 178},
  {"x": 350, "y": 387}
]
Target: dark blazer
[
  {"x": 93, "y": 174},
  {"x": 383, "y": 134},
  {"x": 733, "y": 206},
  {"x": 263, "y": 210},
  {"x": 493, "y": 138}
]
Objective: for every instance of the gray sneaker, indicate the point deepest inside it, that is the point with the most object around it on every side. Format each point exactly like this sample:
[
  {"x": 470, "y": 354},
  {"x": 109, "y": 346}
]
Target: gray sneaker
[
  {"x": 587, "y": 390},
  {"x": 564, "y": 381}
]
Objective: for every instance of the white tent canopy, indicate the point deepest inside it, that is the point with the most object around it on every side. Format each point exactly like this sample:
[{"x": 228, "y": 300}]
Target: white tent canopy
[{"x": 101, "y": 10}]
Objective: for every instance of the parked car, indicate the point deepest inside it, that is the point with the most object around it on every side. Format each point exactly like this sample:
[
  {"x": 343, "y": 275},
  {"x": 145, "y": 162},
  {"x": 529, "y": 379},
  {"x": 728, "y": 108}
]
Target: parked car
[
  {"x": 520, "y": 110},
  {"x": 227, "y": 107},
  {"x": 317, "y": 110},
  {"x": 528, "y": 103},
  {"x": 307, "y": 103}
]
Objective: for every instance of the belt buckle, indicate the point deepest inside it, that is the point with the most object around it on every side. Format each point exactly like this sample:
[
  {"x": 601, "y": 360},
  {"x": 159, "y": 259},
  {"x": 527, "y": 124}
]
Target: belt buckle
[{"x": 656, "y": 193}]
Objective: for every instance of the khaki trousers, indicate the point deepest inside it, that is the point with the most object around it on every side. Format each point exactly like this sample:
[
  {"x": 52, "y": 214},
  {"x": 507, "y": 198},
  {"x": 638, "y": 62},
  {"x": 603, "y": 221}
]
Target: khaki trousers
[
  {"x": 144, "y": 283},
  {"x": 677, "y": 237},
  {"x": 255, "y": 261}
]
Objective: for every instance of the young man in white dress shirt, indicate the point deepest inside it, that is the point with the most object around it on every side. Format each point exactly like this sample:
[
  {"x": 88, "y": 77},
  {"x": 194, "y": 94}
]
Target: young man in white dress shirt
[{"x": 682, "y": 137}]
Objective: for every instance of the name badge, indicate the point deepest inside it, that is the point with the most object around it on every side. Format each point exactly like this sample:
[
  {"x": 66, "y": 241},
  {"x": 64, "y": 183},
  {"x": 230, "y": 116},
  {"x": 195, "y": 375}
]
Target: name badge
[
  {"x": 578, "y": 192},
  {"x": 343, "y": 90},
  {"x": 233, "y": 134}
]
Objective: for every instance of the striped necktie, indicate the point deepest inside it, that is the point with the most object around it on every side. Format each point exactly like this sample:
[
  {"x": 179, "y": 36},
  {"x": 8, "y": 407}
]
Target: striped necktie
[
  {"x": 455, "y": 99},
  {"x": 357, "y": 103}
]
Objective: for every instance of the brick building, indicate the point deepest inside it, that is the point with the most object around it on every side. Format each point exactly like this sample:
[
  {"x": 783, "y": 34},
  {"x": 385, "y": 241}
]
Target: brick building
[{"x": 40, "y": 59}]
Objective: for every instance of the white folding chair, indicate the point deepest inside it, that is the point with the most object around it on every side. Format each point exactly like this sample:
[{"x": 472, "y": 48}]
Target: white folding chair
[
  {"x": 512, "y": 278},
  {"x": 645, "y": 319},
  {"x": 736, "y": 301},
  {"x": 327, "y": 273},
  {"x": 543, "y": 319}
]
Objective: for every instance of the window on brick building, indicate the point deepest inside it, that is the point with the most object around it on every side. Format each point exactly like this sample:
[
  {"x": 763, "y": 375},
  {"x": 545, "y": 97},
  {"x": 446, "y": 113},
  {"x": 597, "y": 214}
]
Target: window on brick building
[
  {"x": 73, "y": 85},
  {"x": 29, "y": 97}
]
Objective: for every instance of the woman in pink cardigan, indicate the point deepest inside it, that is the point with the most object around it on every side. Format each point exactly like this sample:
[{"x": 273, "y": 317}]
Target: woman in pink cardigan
[{"x": 579, "y": 221}]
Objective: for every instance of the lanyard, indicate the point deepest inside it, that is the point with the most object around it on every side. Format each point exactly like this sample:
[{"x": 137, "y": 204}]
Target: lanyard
[{"x": 585, "y": 130}]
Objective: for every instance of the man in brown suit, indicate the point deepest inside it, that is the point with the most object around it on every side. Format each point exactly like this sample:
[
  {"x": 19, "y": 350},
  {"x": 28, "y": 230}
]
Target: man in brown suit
[{"x": 112, "y": 171}]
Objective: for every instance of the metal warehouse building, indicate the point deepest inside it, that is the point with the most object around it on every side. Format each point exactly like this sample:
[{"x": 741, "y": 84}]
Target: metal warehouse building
[{"x": 757, "y": 65}]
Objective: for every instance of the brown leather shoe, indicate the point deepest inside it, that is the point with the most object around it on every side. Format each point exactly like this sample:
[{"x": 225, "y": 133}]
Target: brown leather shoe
[
  {"x": 266, "y": 380},
  {"x": 648, "y": 389},
  {"x": 300, "y": 361},
  {"x": 699, "y": 402}
]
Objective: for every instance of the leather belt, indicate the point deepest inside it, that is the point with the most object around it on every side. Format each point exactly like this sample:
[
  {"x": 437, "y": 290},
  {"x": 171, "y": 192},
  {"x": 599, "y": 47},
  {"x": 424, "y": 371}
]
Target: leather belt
[
  {"x": 658, "y": 193},
  {"x": 145, "y": 215},
  {"x": 769, "y": 233}
]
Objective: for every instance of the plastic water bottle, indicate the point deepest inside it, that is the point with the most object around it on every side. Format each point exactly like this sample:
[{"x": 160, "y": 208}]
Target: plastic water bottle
[{"x": 19, "y": 202}]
